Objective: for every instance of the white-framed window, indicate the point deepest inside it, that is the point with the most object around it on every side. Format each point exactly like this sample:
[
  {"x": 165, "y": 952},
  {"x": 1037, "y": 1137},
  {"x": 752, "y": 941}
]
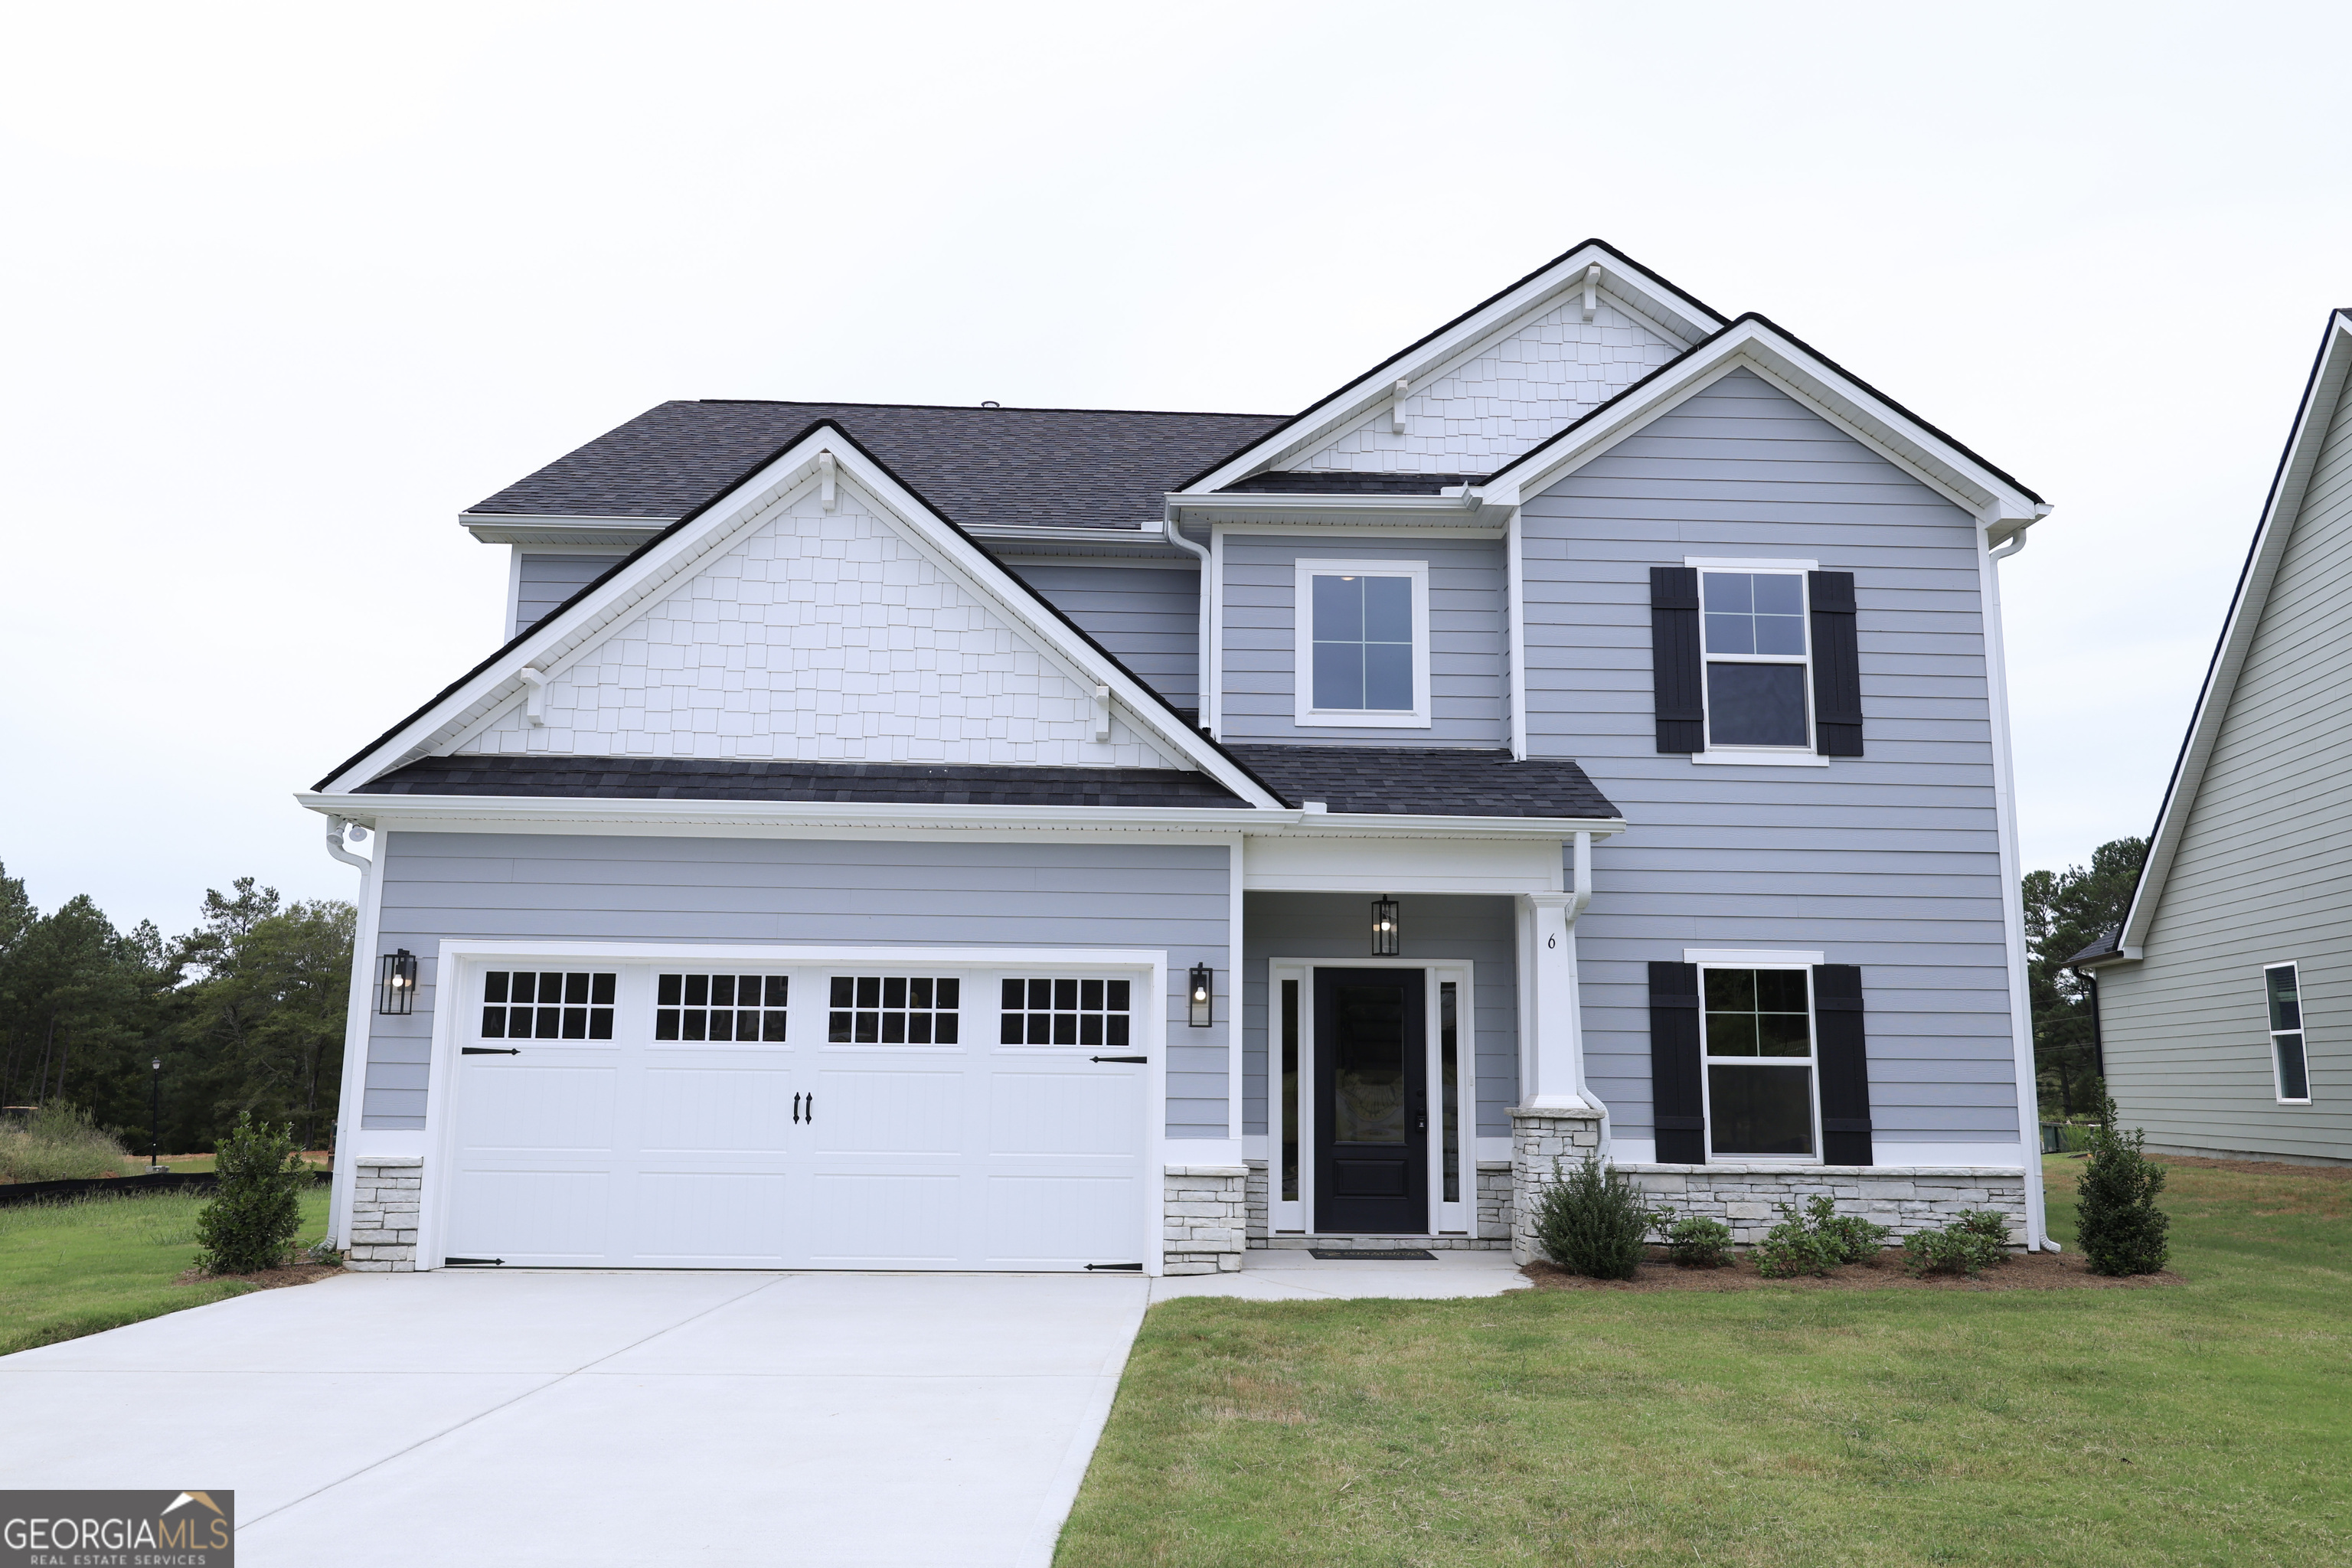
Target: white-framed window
[
  {"x": 1757, "y": 645},
  {"x": 1761, "y": 1074},
  {"x": 2290, "y": 1064},
  {"x": 1362, "y": 632}
]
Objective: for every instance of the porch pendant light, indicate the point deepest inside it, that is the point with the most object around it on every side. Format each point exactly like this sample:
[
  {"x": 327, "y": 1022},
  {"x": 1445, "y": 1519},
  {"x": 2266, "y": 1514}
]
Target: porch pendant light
[
  {"x": 1388, "y": 936},
  {"x": 1202, "y": 992},
  {"x": 395, "y": 986}
]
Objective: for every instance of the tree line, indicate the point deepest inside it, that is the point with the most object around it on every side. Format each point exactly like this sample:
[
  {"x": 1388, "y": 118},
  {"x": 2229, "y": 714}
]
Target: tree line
[
  {"x": 2066, "y": 911},
  {"x": 246, "y": 1012}
]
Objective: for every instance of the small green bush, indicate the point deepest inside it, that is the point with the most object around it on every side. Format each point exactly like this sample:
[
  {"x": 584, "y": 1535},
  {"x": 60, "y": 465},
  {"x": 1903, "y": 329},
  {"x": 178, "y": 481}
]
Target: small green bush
[
  {"x": 1590, "y": 1221},
  {"x": 252, "y": 1221},
  {"x": 1962, "y": 1247},
  {"x": 58, "y": 1143},
  {"x": 1695, "y": 1241},
  {"x": 2119, "y": 1227},
  {"x": 1816, "y": 1240}
]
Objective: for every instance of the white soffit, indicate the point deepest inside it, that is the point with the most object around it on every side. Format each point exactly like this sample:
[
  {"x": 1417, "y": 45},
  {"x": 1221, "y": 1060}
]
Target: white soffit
[{"x": 2323, "y": 395}]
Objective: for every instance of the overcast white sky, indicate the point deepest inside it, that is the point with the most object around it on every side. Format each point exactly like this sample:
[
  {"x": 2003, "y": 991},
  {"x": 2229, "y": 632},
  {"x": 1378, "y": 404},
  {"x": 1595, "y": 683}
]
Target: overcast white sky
[{"x": 286, "y": 287}]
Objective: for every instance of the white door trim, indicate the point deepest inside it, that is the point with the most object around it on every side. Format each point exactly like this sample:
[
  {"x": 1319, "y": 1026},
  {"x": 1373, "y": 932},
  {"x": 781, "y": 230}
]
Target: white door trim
[{"x": 452, "y": 981}]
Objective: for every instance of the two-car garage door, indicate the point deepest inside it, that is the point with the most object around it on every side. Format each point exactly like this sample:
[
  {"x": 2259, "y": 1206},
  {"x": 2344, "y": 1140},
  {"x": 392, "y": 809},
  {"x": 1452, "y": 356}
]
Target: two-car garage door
[{"x": 714, "y": 1115}]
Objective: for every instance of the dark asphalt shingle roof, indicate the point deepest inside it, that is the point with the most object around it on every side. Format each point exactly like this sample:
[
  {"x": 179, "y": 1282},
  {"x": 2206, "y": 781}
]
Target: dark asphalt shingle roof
[
  {"x": 1388, "y": 779},
  {"x": 666, "y": 778},
  {"x": 2109, "y": 943},
  {"x": 1393, "y": 779},
  {"x": 1065, "y": 468}
]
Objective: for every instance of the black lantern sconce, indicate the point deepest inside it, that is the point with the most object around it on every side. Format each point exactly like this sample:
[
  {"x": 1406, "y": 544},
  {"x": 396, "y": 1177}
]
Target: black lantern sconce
[
  {"x": 1388, "y": 935},
  {"x": 395, "y": 985},
  {"x": 1202, "y": 995}
]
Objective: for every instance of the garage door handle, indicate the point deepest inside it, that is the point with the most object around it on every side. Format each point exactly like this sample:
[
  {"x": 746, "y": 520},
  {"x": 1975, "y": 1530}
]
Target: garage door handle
[
  {"x": 1137, "y": 1059},
  {"x": 796, "y": 1111},
  {"x": 489, "y": 1050}
]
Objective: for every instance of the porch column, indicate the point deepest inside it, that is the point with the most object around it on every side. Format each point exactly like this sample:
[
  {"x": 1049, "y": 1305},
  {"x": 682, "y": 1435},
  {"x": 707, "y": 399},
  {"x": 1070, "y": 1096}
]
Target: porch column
[{"x": 1552, "y": 1061}]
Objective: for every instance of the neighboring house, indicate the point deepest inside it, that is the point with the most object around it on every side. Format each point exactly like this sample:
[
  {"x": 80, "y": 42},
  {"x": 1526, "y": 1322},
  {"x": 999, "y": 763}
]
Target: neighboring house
[
  {"x": 928, "y": 838},
  {"x": 2224, "y": 1001}
]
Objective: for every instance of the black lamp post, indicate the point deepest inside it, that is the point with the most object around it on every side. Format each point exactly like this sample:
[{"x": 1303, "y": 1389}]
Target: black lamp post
[{"x": 155, "y": 1117}]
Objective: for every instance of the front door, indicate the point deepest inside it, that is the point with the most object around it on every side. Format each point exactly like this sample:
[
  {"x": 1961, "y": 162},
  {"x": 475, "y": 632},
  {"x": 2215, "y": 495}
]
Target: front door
[{"x": 1371, "y": 1102}]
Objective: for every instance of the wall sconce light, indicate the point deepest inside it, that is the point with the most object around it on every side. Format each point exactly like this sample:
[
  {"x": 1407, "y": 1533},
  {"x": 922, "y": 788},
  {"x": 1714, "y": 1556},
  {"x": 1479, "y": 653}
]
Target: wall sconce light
[
  {"x": 395, "y": 985},
  {"x": 1388, "y": 936},
  {"x": 1202, "y": 992}
]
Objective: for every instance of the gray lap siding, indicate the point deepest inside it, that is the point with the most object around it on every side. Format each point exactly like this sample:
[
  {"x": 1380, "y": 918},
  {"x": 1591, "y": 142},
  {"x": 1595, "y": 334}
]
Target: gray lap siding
[
  {"x": 1147, "y": 618},
  {"x": 1890, "y": 860},
  {"x": 898, "y": 893}
]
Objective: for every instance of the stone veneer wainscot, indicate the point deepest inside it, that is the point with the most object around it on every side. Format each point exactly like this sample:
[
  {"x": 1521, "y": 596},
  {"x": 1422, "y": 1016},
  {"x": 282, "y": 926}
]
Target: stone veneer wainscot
[{"x": 383, "y": 1230}]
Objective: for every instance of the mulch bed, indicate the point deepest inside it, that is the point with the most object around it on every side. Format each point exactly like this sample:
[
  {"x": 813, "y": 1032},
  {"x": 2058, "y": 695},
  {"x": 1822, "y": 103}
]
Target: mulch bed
[
  {"x": 268, "y": 1278},
  {"x": 2023, "y": 1271}
]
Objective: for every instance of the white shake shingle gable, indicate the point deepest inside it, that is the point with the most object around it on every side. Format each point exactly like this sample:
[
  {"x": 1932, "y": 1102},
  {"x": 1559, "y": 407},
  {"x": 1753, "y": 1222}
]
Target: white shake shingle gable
[
  {"x": 820, "y": 636},
  {"x": 953, "y": 723}
]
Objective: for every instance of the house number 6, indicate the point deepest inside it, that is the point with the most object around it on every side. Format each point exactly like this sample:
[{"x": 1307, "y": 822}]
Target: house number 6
[{"x": 1551, "y": 941}]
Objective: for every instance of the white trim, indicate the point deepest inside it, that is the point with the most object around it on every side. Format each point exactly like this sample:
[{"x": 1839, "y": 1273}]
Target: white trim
[
  {"x": 1305, "y": 569},
  {"x": 359, "y": 1023},
  {"x": 1515, "y": 611},
  {"x": 566, "y": 635},
  {"x": 514, "y": 593},
  {"x": 1434, "y": 971},
  {"x": 1212, "y": 699},
  {"x": 2300, "y": 1032},
  {"x": 2013, "y": 901},
  {"x": 2330, "y": 373},
  {"x": 454, "y": 955},
  {"x": 1236, "y": 883},
  {"x": 1752, "y": 957},
  {"x": 1733, "y": 756},
  {"x": 1813, "y": 1066},
  {"x": 1731, "y": 563}
]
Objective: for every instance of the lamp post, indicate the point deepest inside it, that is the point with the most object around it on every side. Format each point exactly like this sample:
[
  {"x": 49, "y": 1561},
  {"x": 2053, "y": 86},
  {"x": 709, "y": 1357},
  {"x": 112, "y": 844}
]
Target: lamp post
[{"x": 155, "y": 1117}]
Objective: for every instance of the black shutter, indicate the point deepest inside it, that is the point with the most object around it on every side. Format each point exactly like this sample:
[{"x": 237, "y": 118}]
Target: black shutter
[
  {"x": 1839, "y": 1047},
  {"x": 1675, "y": 665},
  {"x": 1676, "y": 1109},
  {"x": 1837, "y": 665}
]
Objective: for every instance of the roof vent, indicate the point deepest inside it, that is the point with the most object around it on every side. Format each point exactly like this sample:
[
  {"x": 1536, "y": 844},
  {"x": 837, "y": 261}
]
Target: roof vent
[{"x": 992, "y": 405}]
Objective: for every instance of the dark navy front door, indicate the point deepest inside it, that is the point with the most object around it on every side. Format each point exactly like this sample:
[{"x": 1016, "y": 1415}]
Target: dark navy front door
[{"x": 1371, "y": 1102}]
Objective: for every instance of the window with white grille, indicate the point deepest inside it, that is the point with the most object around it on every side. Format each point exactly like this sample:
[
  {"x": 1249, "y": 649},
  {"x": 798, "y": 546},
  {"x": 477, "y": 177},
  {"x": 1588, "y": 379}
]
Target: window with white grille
[
  {"x": 894, "y": 1010},
  {"x": 1060, "y": 1011},
  {"x": 547, "y": 1005},
  {"x": 720, "y": 1007}
]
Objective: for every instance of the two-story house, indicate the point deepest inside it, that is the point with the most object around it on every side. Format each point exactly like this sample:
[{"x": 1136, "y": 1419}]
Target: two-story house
[{"x": 979, "y": 839}]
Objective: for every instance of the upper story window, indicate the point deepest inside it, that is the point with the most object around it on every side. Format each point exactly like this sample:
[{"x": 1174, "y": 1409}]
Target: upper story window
[
  {"x": 1759, "y": 665},
  {"x": 2289, "y": 1066},
  {"x": 1363, "y": 643}
]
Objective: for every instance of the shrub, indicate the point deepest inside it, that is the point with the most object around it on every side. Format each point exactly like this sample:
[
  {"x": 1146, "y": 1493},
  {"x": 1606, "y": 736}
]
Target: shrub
[
  {"x": 1964, "y": 1247},
  {"x": 1816, "y": 1240},
  {"x": 1695, "y": 1241},
  {"x": 250, "y": 1223},
  {"x": 58, "y": 1143},
  {"x": 1851, "y": 1237},
  {"x": 2120, "y": 1228},
  {"x": 1592, "y": 1221}
]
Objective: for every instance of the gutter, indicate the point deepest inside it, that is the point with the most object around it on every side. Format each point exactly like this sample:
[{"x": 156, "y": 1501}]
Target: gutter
[
  {"x": 357, "y": 1011},
  {"x": 1175, "y": 535}
]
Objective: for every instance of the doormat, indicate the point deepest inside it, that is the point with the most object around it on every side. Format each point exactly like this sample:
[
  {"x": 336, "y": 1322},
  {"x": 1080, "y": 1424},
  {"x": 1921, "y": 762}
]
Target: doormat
[{"x": 1372, "y": 1254}]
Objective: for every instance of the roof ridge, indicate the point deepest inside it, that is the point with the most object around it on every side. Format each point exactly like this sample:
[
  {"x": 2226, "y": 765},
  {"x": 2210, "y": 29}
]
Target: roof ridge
[{"x": 982, "y": 407}]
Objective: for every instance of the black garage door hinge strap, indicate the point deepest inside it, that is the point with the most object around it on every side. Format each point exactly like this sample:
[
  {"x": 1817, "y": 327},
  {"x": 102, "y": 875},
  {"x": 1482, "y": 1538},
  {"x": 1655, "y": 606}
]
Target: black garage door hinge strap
[
  {"x": 489, "y": 1050},
  {"x": 1114, "y": 1268},
  {"x": 1137, "y": 1059},
  {"x": 472, "y": 1262}
]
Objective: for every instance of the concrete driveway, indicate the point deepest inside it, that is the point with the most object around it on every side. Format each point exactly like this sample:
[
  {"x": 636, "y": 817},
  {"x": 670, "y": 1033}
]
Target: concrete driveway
[{"x": 596, "y": 1418}]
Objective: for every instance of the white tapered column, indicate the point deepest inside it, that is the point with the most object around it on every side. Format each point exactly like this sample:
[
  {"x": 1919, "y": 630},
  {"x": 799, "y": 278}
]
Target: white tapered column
[{"x": 1554, "y": 1057}]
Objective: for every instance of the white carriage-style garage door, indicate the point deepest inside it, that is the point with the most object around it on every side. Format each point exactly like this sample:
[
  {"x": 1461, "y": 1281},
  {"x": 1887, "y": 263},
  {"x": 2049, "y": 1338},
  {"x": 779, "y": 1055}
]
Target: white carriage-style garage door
[{"x": 719, "y": 1114}]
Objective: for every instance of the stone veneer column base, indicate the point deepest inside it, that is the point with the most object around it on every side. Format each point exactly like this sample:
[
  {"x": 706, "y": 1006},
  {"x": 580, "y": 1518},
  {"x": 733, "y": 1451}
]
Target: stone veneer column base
[
  {"x": 1206, "y": 1226},
  {"x": 1903, "y": 1198},
  {"x": 1539, "y": 1138},
  {"x": 382, "y": 1230}
]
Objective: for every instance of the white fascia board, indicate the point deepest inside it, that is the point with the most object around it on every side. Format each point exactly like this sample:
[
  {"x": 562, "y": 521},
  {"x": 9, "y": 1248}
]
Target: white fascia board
[
  {"x": 550, "y": 532},
  {"x": 1682, "y": 318},
  {"x": 2321, "y": 395},
  {"x": 1754, "y": 346},
  {"x": 1458, "y": 511},
  {"x": 562, "y": 637},
  {"x": 791, "y": 819}
]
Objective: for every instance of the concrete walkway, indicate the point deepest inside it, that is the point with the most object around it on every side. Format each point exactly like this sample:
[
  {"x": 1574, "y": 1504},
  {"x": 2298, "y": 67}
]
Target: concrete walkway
[{"x": 595, "y": 1419}]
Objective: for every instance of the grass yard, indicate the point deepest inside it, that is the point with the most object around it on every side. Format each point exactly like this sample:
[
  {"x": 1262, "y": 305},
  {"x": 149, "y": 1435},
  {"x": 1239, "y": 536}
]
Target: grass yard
[
  {"x": 2204, "y": 1422},
  {"x": 70, "y": 1269}
]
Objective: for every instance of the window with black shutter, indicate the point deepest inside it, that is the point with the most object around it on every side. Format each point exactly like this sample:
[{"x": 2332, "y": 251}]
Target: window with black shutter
[
  {"x": 1844, "y": 1064},
  {"x": 1675, "y": 659},
  {"x": 1837, "y": 665},
  {"x": 1754, "y": 659}
]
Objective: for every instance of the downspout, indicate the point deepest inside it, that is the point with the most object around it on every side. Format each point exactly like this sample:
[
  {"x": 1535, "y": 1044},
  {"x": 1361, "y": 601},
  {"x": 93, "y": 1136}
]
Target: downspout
[
  {"x": 355, "y": 1033},
  {"x": 2004, "y": 783},
  {"x": 1175, "y": 534}
]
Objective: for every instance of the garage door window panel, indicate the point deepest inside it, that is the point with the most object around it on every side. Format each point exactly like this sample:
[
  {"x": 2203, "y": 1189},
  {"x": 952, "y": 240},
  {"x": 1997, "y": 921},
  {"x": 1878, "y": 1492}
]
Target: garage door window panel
[
  {"x": 894, "y": 1010},
  {"x": 1060, "y": 1010},
  {"x": 744, "y": 1008},
  {"x": 547, "y": 1005}
]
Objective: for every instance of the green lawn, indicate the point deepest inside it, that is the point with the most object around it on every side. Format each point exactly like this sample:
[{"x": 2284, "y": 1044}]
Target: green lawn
[
  {"x": 2204, "y": 1422},
  {"x": 70, "y": 1269}
]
